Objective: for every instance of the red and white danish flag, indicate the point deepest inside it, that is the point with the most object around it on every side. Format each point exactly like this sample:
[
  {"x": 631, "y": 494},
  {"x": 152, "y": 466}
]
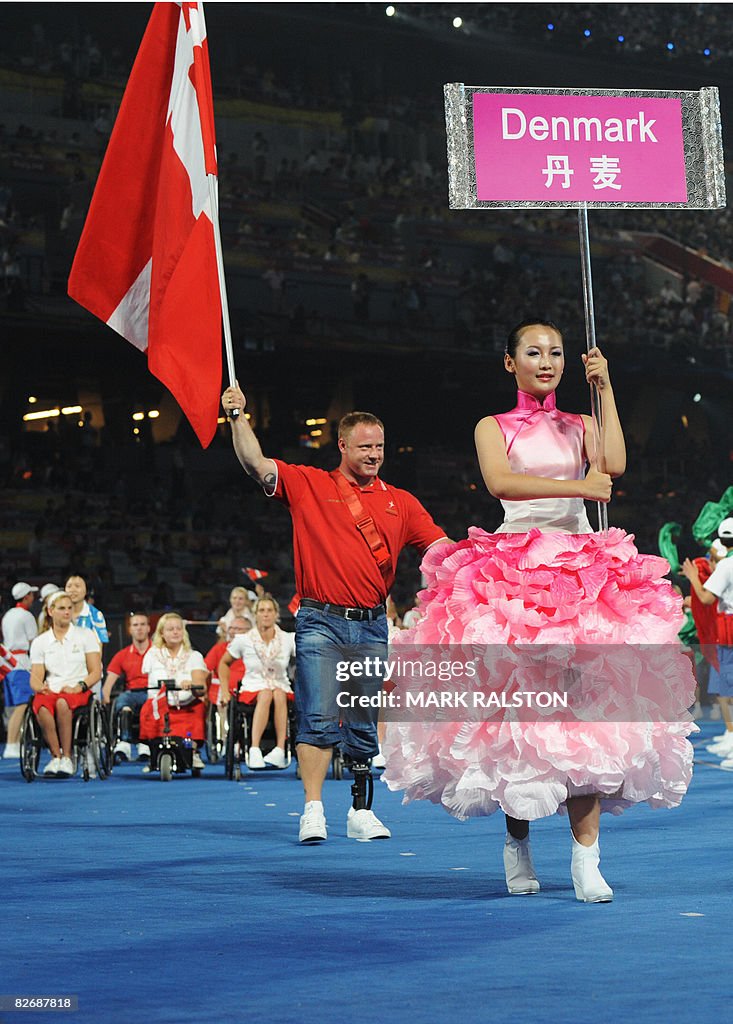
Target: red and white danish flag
[
  {"x": 255, "y": 574},
  {"x": 7, "y": 662},
  {"x": 146, "y": 260}
]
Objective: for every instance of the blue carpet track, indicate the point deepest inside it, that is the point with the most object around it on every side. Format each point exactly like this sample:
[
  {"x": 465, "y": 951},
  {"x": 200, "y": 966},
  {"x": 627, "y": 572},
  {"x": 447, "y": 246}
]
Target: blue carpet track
[{"x": 192, "y": 901}]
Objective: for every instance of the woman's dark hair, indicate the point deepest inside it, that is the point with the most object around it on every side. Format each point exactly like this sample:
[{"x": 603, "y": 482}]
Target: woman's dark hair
[{"x": 516, "y": 332}]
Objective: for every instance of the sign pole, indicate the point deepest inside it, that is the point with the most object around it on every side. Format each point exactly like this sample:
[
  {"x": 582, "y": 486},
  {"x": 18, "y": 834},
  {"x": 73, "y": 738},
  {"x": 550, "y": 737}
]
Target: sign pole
[{"x": 590, "y": 341}]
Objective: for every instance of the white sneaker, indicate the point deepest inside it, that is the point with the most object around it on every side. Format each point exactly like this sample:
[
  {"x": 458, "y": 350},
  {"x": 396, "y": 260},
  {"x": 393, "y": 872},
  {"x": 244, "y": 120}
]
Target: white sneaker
[
  {"x": 52, "y": 768},
  {"x": 12, "y": 751},
  {"x": 718, "y": 737},
  {"x": 196, "y": 761},
  {"x": 313, "y": 823},
  {"x": 727, "y": 763},
  {"x": 379, "y": 761},
  {"x": 722, "y": 747},
  {"x": 722, "y": 740},
  {"x": 143, "y": 752},
  {"x": 255, "y": 760},
  {"x": 66, "y": 767},
  {"x": 123, "y": 750},
  {"x": 365, "y": 824},
  {"x": 275, "y": 759},
  {"x": 521, "y": 879}
]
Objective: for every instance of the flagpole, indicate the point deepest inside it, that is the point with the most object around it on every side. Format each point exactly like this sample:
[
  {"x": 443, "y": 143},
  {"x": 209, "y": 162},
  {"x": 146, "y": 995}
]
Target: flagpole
[
  {"x": 228, "y": 349},
  {"x": 214, "y": 202},
  {"x": 590, "y": 337}
]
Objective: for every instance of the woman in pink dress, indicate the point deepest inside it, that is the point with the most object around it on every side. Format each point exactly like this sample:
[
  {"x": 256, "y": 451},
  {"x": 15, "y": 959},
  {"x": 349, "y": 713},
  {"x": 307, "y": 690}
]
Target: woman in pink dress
[{"x": 545, "y": 577}]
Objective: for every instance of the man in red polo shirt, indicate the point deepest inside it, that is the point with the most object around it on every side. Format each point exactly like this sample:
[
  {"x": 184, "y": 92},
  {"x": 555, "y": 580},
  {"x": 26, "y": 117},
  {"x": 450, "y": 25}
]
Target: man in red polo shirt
[
  {"x": 128, "y": 663},
  {"x": 349, "y": 528},
  {"x": 237, "y": 626}
]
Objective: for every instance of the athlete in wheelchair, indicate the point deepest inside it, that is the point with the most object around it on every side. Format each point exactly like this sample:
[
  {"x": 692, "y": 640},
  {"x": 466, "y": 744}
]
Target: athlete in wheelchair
[
  {"x": 266, "y": 652},
  {"x": 216, "y": 714},
  {"x": 171, "y": 752},
  {"x": 173, "y": 718},
  {"x": 65, "y": 664},
  {"x": 125, "y": 669}
]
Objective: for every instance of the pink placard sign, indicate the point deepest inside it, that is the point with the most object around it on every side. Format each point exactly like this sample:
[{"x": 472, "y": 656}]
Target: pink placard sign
[{"x": 606, "y": 149}]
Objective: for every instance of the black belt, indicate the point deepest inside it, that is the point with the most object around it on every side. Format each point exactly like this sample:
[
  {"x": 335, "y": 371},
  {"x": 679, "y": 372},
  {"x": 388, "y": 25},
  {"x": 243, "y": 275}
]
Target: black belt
[{"x": 353, "y": 614}]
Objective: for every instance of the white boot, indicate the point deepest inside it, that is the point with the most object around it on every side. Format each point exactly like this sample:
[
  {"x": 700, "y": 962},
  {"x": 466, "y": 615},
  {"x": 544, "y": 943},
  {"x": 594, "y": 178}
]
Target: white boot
[
  {"x": 589, "y": 884},
  {"x": 518, "y": 867}
]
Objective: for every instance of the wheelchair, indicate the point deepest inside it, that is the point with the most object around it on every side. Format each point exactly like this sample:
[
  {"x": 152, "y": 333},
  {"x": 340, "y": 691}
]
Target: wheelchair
[
  {"x": 239, "y": 732},
  {"x": 89, "y": 736},
  {"x": 171, "y": 754},
  {"x": 216, "y": 734}
]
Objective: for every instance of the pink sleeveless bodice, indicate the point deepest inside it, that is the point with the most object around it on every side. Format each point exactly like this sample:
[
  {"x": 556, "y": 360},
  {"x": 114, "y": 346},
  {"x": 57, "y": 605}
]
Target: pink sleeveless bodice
[{"x": 542, "y": 441}]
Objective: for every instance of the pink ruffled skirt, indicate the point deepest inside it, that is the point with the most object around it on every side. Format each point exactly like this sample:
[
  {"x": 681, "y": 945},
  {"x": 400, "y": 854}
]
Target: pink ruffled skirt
[{"x": 565, "y": 590}]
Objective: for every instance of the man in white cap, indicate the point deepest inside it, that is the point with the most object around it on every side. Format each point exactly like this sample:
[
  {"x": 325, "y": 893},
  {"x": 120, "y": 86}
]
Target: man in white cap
[
  {"x": 18, "y": 629},
  {"x": 719, "y": 587}
]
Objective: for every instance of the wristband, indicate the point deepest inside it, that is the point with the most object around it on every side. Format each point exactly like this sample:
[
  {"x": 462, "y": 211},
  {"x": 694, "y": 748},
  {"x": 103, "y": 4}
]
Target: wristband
[{"x": 84, "y": 686}]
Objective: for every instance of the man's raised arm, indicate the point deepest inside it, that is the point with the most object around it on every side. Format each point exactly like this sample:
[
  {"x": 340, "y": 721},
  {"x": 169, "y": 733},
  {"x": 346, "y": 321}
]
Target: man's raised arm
[{"x": 246, "y": 445}]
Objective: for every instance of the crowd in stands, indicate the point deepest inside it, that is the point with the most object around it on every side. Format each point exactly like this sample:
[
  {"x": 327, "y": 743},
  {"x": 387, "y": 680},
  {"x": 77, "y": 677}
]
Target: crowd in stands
[
  {"x": 646, "y": 29},
  {"x": 359, "y": 239},
  {"x": 360, "y": 209}
]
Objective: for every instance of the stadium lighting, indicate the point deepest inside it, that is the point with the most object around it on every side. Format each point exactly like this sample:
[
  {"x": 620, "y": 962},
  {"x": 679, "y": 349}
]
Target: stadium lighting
[
  {"x": 706, "y": 53},
  {"x": 621, "y": 39},
  {"x": 136, "y": 430},
  {"x": 587, "y": 33},
  {"x": 70, "y": 410},
  {"x": 697, "y": 397},
  {"x": 42, "y": 414},
  {"x": 457, "y": 22},
  {"x": 390, "y": 11},
  {"x": 316, "y": 422},
  {"x": 32, "y": 399},
  {"x": 153, "y": 414},
  {"x": 316, "y": 433},
  {"x": 138, "y": 415},
  {"x": 550, "y": 27},
  {"x": 670, "y": 47}
]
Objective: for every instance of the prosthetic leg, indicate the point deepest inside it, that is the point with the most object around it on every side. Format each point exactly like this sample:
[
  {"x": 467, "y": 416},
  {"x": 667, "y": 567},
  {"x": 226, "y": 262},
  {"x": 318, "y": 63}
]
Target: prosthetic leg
[
  {"x": 362, "y": 788},
  {"x": 361, "y": 821}
]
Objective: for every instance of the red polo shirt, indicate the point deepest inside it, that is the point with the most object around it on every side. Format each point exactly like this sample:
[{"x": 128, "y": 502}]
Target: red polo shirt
[
  {"x": 129, "y": 663},
  {"x": 212, "y": 659},
  {"x": 333, "y": 562}
]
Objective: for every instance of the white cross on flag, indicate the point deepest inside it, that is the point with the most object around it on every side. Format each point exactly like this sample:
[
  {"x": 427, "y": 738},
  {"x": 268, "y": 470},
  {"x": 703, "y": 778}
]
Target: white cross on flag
[
  {"x": 146, "y": 261},
  {"x": 255, "y": 574}
]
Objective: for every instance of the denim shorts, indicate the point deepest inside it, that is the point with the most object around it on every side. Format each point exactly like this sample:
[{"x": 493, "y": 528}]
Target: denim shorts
[{"x": 325, "y": 645}]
